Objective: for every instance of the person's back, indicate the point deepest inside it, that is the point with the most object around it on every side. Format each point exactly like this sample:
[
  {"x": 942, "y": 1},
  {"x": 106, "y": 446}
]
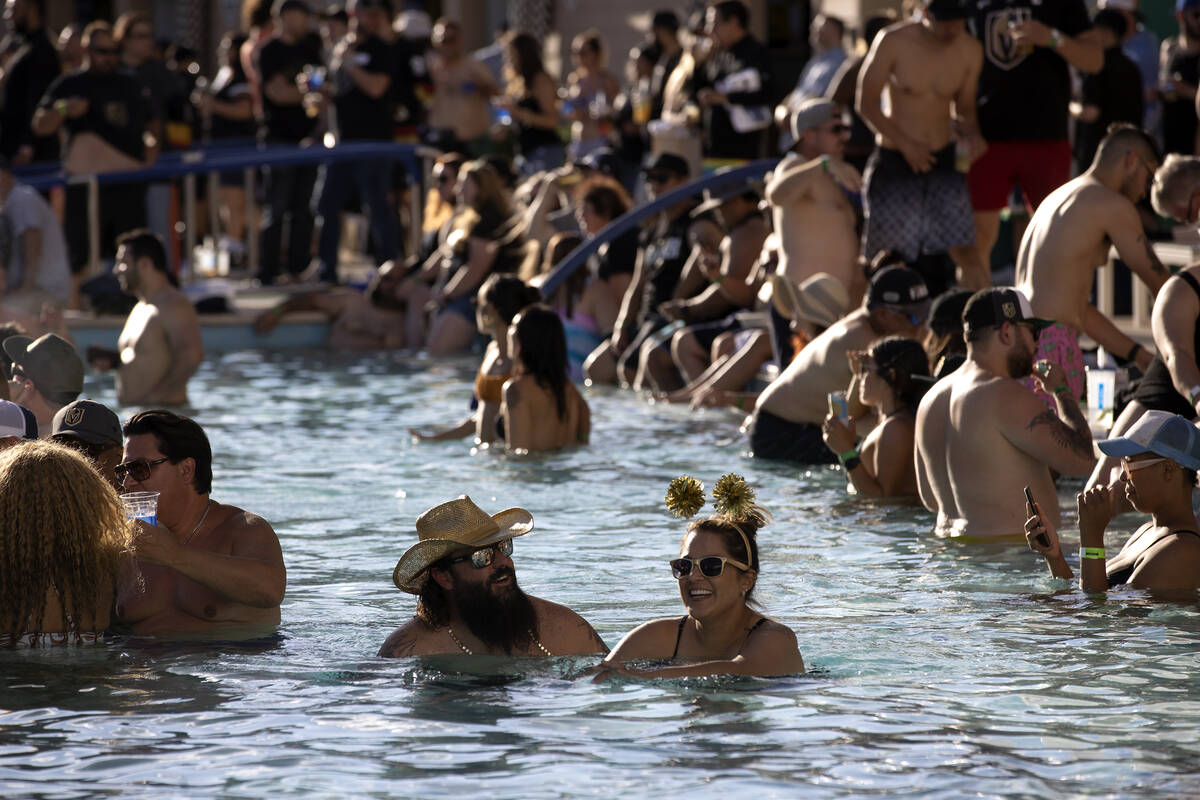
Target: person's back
[{"x": 528, "y": 399}]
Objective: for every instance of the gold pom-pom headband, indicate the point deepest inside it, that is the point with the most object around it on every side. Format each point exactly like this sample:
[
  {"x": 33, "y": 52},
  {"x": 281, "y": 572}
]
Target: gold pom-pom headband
[{"x": 732, "y": 496}]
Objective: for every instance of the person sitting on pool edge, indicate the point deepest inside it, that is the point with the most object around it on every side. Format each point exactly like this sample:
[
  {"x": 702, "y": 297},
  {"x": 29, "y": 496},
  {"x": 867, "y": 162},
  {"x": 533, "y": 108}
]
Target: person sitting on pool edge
[
  {"x": 1160, "y": 455},
  {"x": 717, "y": 568},
  {"x": 468, "y": 600},
  {"x": 205, "y": 564}
]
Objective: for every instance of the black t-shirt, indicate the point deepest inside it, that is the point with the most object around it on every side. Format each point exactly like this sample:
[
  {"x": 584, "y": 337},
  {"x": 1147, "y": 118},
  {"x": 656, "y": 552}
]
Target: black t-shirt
[
  {"x": 30, "y": 73},
  {"x": 229, "y": 86},
  {"x": 410, "y": 71},
  {"x": 1117, "y": 91},
  {"x": 360, "y": 116},
  {"x": 619, "y": 256},
  {"x": 1024, "y": 95},
  {"x": 664, "y": 252},
  {"x": 1179, "y": 115},
  {"x": 287, "y": 123},
  {"x": 746, "y": 68},
  {"x": 118, "y": 108}
]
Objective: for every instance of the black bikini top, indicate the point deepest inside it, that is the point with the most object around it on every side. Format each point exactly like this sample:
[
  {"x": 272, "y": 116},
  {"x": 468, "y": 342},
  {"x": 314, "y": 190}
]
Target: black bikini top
[
  {"x": 683, "y": 620},
  {"x": 1121, "y": 576}
]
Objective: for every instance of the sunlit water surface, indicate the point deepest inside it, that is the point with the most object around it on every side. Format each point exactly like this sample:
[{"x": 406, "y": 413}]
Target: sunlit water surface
[{"x": 935, "y": 668}]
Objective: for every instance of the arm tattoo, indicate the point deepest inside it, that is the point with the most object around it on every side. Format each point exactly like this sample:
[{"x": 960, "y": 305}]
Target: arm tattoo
[
  {"x": 1075, "y": 437},
  {"x": 1156, "y": 266}
]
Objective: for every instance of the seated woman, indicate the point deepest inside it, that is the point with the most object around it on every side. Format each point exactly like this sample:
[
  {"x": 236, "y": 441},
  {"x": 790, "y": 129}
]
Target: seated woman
[
  {"x": 498, "y": 301},
  {"x": 600, "y": 201},
  {"x": 479, "y": 245},
  {"x": 542, "y": 410},
  {"x": 889, "y": 379},
  {"x": 575, "y": 307},
  {"x": 722, "y": 631},
  {"x": 64, "y": 531},
  {"x": 1160, "y": 455}
]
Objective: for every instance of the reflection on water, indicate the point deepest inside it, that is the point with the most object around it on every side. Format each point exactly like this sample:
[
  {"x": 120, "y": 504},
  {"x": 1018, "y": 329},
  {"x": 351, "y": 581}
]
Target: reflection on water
[{"x": 935, "y": 667}]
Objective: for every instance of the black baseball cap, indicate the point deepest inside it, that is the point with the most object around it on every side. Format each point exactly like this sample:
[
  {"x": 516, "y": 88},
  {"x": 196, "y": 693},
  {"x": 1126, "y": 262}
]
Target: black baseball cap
[
  {"x": 897, "y": 286},
  {"x": 668, "y": 162},
  {"x": 282, "y": 6},
  {"x": 87, "y": 421},
  {"x": 665, "y": 19},
  {"x": 988, "y": 308}
]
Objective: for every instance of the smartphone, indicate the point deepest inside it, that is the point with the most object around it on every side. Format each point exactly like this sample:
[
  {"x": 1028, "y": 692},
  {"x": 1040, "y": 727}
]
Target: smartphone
[{"x": 1042, "y": 538}]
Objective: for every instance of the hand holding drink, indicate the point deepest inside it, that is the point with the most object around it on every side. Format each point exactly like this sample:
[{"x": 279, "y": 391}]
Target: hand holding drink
[{"x": 141, "y": 505}]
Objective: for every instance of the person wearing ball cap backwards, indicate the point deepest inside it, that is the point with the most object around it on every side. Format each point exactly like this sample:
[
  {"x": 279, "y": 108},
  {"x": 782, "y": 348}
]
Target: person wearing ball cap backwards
[
  {"x": 981, "y": 436},
  {"x": 468, "y": 601},
  {"x": 1160, "y": 455}
]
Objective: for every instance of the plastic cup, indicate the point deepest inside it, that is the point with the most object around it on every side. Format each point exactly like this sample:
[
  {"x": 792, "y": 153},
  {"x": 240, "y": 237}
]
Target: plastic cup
[
  {"x": 837, "y": 402},
  {"x": 1101, "y": 386},
  {"x": 141, "y": 505}
]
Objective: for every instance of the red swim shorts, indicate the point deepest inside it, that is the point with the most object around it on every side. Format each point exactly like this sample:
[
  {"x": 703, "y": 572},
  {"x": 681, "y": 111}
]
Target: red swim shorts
[{"x": 1039, "y": 165}]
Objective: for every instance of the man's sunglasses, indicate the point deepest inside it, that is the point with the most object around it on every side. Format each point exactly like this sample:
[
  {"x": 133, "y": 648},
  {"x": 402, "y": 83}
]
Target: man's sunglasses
[
  {"x": 138, "y": 469},
  {"x": 915, "y": 319},
  {"x": 484, "y": 556},
  {"x": 710, "y": 566}
]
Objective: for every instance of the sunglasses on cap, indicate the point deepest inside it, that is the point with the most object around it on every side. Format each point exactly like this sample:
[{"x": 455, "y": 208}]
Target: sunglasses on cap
[
  {"x": 710, "y": 566},
  {"x": 484, "y": 556},
  {"x": 139, "y": 469},
  {"x": 915, "y": 319}
]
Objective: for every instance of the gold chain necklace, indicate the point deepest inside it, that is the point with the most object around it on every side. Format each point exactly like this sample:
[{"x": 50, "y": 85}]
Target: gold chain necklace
[
  {"x": 203, "y": 517},
  {"x": 467, "y": 650}
]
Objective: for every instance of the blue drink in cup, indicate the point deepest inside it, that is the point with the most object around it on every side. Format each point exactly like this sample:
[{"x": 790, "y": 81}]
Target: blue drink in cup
[{"x": 141, "y": 505}]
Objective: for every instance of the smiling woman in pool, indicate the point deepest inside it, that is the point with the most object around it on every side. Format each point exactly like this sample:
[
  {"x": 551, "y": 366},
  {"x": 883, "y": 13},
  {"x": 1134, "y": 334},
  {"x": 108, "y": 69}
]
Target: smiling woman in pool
[{"x": 717, "y": 568}]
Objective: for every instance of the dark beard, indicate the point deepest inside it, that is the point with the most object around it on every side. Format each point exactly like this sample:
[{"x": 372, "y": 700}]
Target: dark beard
[
  {"x": 506, "y": 621},
  {"x": 1020, "y": 363}
]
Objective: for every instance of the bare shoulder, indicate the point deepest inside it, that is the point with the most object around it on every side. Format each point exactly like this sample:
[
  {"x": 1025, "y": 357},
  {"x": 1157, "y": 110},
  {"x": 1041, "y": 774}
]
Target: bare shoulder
[
  {"x": 551, "y": 612},
  {"x": 248, "y": 531},
  {"x": 776, "y": 633},
  {"x": 564, "y": 631},
  {"x": 410, "y": 639},
  {"x": 653, "y": 639}
]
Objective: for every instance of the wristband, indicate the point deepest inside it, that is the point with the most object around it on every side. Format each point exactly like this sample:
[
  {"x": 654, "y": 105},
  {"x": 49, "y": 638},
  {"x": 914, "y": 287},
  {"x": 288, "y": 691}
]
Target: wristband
[
  {"x": 825, "y": 163},
  {"x": 852, "y": 464},
  {"x": 740, "y": 404},
  {"x": 1092, "y": 552},
  {"x": 61, "y": 107},
  {"x": 1133, "y": 352},
  {"x": 1061, "y": 389},
  {"x": 1055, "y": 39},
  {"x": 848, "y": 456},
  {"x": 1194, "y": 393}
]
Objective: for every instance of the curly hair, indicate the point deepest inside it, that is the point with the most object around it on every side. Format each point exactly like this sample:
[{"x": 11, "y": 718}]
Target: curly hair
[{"x": 63, "y": 528}]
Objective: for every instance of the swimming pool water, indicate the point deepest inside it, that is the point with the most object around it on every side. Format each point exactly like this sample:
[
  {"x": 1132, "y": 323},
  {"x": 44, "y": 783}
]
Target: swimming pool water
[{"x": 936, "y": 668}]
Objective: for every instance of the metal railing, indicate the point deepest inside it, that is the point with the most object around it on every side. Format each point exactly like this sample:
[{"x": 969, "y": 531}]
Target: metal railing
[{"x": 213, "y": 159}]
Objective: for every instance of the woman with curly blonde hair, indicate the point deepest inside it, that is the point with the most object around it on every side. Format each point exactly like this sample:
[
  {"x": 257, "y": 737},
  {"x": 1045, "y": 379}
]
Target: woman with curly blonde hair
[{"x": 62, "y": 529}]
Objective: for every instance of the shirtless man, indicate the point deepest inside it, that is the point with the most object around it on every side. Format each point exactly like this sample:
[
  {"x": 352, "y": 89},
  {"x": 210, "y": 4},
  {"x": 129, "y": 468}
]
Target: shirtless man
[
  {"x": 1069, "y": 237},
  {"x": 787, "y": 418},
  {"x": 982, "y": 437},
  {"x": 204, "y": 566},
  {"x": 810, "y": 206},
  {"x": 916, "y": 200},
  {"x": 160, "y": 346},
  {"x": 368, "y": 320},
  {"x": 468, "y": 601},
  {"x": 461, "y": 113}
]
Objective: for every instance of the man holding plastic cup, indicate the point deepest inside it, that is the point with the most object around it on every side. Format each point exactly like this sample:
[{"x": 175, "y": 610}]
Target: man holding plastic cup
[{"x": 204, "y": 564}]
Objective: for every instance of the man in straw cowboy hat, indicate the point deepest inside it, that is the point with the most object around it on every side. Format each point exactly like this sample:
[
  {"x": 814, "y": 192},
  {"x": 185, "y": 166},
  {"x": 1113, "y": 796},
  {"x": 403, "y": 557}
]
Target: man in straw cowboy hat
[{"x": 468, "y": 600}]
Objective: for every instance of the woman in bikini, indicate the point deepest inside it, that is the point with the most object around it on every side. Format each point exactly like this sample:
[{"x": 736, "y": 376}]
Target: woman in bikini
[
  {"x": 62, "y": 535},
  {"x": 723, "y": 632},
  {"x": 1160, "y": 455},
  {"x": 496, "y": 303},
  {"x": 542, "y": 410},
  {"x": 889, "y": 380}
]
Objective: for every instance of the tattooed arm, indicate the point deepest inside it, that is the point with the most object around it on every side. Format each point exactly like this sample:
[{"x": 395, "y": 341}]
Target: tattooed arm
[
  {"x": 1129, "y": 238},
  {"x": 1061, "y": 440}
]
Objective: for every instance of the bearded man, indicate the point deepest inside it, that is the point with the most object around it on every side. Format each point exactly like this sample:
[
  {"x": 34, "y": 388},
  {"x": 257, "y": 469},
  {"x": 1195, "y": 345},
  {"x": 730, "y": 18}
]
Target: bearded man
[
  {"x": 468, "y": 601},
  {"x": 982, "y": 436}
]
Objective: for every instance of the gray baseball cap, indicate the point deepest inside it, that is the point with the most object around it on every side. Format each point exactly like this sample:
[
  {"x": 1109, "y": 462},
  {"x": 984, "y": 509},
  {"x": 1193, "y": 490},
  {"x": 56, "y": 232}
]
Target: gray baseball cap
[{"x": 50, "y": 361}]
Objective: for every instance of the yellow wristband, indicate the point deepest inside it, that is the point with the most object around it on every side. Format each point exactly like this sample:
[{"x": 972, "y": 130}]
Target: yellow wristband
[{"x": 1092, "y": 552}]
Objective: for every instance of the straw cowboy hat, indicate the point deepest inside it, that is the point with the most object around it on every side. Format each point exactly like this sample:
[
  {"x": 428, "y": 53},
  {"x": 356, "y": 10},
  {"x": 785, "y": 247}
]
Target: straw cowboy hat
[{"x": 452, "y": 527}]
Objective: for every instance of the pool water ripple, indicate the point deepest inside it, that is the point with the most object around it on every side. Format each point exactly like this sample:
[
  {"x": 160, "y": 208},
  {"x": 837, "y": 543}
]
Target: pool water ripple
[{"x": 935, "y": 668}]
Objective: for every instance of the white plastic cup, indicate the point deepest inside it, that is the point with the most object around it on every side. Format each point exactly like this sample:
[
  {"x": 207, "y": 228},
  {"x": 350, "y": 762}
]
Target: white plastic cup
[
  {"x": 837, "y": 402},
  {"x": 141, "y": 505}
]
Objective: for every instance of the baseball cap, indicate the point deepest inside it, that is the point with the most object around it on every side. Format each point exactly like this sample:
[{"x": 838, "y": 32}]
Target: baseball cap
[
  {"x": 665, "y": 19},
  {"x": 1159, "y": 432},
  {"x": 282, "y": 6},
  {"x": 715, "y": 198},
  {"x": 602, "y": 159},
  {"x": 897, "y": 286},
  {"x": 1000, "y": 304},
  {"x": 810, "y": 113},
  {"x": 946, "y": 9},
  {"x": 668, "y": 162},
  {"x": 17, "y": 421},
  {"x": 1186, "y": 5},
  {"x": 50, "y": 361},
  {"x": 89, "y": 422}
]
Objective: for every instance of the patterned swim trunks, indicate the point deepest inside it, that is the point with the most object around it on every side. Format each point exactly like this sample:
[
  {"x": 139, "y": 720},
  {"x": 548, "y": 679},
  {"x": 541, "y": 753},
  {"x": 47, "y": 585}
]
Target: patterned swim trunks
[
  {"x": 913, "y": 214},
  {"x": 1059, "y": 344}
]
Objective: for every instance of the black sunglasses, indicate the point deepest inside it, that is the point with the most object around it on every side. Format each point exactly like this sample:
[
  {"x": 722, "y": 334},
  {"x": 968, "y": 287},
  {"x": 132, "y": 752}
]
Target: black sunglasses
[
  {"x": 138, "y": 469},
  {"x": 484, "y": 556},
  {"x": 657, "y": 177},
  {"x": 710, "y": 566}
]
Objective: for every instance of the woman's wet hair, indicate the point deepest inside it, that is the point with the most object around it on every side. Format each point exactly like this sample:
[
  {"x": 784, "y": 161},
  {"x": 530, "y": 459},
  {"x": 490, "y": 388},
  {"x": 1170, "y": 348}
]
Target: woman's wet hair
[
  {"x": 508, "y": 295},
  {"x": 64, "y": 529},
  {"x": 736, "y": 536},
  {"x": 904, "y": 366},
  {"x": 543, "y": 351},
  {"x": 178, "y": 437}
]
